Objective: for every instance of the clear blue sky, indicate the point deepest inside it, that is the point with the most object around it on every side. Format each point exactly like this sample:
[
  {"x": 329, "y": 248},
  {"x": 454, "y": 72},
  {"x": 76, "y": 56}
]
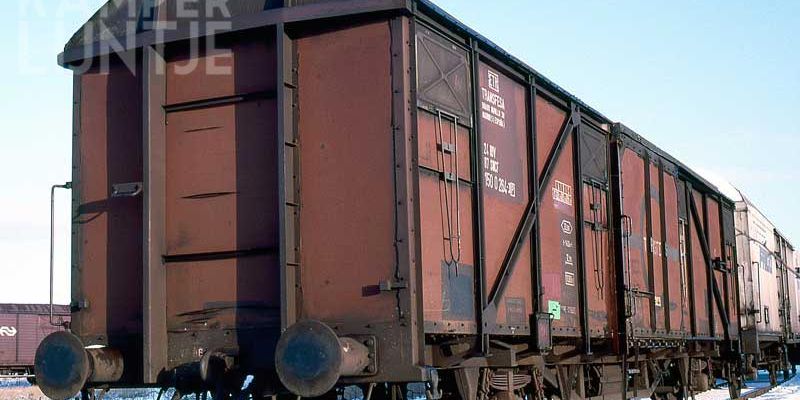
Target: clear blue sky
[{"x": 715, "y": 83}]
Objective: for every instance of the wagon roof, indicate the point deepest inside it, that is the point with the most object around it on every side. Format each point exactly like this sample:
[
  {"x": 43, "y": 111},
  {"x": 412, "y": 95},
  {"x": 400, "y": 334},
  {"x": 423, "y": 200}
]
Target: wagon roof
[
  {"x": 37, "y": 309},
  {"x": 109, "y": 31},
  {"x": 122, "y": 25},
  {"x": 684, "y": 169}
]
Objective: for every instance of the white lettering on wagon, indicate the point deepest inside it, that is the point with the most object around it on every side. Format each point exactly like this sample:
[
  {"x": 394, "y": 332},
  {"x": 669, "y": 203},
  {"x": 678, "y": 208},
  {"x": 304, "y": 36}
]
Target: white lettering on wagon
[
  {"x": 492, "y": 178},
  {"x": 9, "y": 331}
]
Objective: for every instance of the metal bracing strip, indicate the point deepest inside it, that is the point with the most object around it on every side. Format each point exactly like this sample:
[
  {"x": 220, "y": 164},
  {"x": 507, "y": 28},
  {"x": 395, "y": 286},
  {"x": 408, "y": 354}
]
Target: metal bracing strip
[
  {"x": 285, "y": 134},
  {"x": 662, "y": 204},
  {"x": 615, "y": 155},
  {"x": 526, "y": 225},
  {"x": 687, "y": 198},
  {"x": 479, "y": 233},
  {"x": 709, "y": 272},
  {"x": 648, "y": 243},
  {"x": 709, "y": 267},
  {"x": 407, "y": 245},
  {"x": 580, "y": 238},
  {"x": 76, "y": 297},
  {"x": 536, "y": 271},
  {"x": 154, "y": 214}
]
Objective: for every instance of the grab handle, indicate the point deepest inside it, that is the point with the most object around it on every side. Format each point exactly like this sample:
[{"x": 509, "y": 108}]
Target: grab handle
[{"x": 67, "y": 186}]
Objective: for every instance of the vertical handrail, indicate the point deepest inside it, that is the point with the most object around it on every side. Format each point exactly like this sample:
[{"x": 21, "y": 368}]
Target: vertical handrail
[{"x": 67, "y": 186}]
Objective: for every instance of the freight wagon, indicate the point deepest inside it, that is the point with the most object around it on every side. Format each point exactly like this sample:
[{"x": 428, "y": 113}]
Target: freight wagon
[
  {"x": 770, "y": 317},
  {"x": 22, "y": 328},
  {"x": 330, "y": 193}
]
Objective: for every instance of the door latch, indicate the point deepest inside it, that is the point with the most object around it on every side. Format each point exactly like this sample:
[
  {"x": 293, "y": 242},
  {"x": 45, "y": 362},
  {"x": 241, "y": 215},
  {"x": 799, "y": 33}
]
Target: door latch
[{"x": 131, "y": 189}]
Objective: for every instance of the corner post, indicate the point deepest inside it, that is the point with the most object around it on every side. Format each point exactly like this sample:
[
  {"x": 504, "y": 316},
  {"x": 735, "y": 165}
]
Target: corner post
[{"x": 154, "y": 340}]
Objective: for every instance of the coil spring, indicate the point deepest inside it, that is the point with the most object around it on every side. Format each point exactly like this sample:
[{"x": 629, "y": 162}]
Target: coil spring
[{"x": 508, "y": 381}]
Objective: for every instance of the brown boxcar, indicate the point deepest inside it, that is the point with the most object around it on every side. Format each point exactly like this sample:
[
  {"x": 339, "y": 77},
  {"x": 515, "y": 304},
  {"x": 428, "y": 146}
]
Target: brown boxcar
[
  {"x": 677, "y": 255},
  {"x": 323, "y": 193},
  {"x": 22, "y": 328}
]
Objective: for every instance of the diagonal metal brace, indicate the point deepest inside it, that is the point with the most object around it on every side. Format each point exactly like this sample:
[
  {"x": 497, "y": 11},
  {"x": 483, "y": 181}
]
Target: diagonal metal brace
[
  {"x": 526, "y": 224},
  {"x": 709, "y": 265}
]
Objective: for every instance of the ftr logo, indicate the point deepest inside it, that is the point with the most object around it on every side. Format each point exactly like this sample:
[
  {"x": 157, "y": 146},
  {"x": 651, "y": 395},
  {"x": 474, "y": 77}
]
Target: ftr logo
[
  {"x": 494, "y": 81},
  {"x": 8, "y": 331}
]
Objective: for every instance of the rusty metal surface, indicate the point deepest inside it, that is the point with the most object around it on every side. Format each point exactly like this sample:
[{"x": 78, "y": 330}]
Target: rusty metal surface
[
  {"x": 557, "y": 226},
  {"x": 444, "y": 146},
  {"x": 354, "y": 247},
  {"x": 506, "y": 191},
  {"x": 219, "y": 182},
  {"x": 636, "y": 251},
  {"x": 597, "y": 256},
  {"x": 698, "y": 271},
  {"x": 678, "y": 286},
  {"x": 549, "y": 119},
  {"x": 448, "y": 289},
  {"x": 220, "y": 230},
  {"x": 346, "y": 184},
  {"x": 107, "y": 365},
  {"x": 557, "y": 223},
  {"x": 241, "y": 64},
  {"x": 110, "y": 262},
  {"x": 431, "y": 131}
]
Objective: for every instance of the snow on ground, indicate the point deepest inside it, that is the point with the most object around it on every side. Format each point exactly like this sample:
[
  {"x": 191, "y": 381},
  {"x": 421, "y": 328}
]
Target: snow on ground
[
  {"x": 790, "y": 390},
  {"x": 721, "y": 393},
  {"x": 20, "y": 389}
]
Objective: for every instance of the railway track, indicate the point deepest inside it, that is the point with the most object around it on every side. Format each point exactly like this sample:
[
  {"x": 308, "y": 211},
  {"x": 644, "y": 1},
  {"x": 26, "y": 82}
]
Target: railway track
[
  {"x": 762, "y": 391},
  {"x": 759, "y": 392}
]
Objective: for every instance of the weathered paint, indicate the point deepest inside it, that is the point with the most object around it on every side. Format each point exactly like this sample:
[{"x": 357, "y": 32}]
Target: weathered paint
[{"x": 110, "y": 256}]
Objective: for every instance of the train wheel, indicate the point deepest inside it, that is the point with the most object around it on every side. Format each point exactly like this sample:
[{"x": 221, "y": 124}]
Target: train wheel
[{"x": 786, "y": 374}]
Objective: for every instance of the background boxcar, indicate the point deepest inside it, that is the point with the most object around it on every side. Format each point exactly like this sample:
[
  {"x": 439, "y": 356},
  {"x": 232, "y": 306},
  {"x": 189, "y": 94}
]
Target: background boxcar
[
  {"x": 370, "y": 192},
  {"x": 22, "y": 328},
  {"x": 677, "y": 257},
  {"x": 768, "y": 285}
]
